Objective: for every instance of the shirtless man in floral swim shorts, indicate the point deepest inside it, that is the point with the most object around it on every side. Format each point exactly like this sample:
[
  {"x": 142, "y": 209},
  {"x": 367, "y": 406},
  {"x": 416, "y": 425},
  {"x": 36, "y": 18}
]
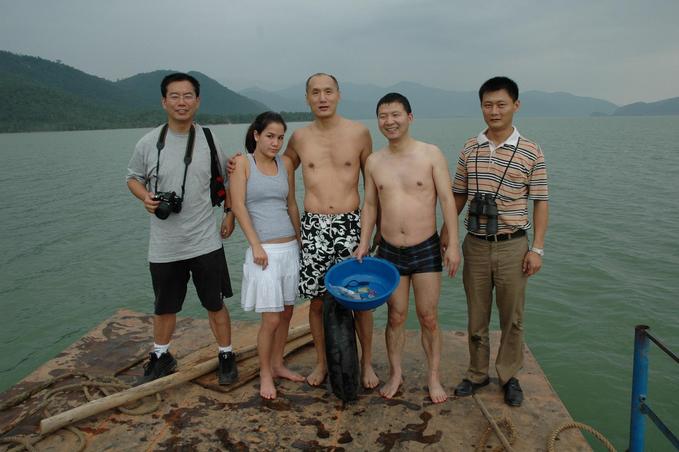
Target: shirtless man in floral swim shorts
[{"x": 332, "y": 151}]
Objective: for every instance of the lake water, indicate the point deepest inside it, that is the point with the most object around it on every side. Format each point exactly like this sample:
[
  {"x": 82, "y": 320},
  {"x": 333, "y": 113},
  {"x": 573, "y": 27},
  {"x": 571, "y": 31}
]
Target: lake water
[{"x": 73, "y": 250}]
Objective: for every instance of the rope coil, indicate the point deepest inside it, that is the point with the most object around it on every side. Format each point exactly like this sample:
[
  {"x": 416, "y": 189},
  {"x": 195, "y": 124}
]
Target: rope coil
[
  {"x": 105, "y": 385},
  {"x": 569, "y": 425}
]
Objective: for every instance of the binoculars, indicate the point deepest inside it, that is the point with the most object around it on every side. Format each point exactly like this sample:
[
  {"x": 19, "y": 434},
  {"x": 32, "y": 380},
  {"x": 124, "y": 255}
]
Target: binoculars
[{"x": 483, "y": 205}]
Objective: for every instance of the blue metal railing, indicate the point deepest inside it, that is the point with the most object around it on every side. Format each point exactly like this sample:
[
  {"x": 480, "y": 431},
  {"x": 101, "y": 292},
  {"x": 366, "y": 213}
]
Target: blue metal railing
[{"x": 637, "y": 432}]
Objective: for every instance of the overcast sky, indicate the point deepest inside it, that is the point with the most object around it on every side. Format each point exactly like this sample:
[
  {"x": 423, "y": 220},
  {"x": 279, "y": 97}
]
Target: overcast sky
[{"x": 619, "y": 50}]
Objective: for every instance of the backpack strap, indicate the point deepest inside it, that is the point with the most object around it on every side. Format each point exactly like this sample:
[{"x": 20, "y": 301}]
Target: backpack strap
[{"x": 217, "y": 190}]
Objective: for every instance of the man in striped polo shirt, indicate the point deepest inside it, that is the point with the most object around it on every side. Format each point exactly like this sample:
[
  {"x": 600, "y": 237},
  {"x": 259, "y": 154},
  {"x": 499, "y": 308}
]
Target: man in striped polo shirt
[{"x": 498, "y": 171}]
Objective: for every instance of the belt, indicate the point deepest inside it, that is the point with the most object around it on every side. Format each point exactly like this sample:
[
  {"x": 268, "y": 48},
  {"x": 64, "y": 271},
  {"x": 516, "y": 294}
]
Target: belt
[{"x": 501, "y": 237}]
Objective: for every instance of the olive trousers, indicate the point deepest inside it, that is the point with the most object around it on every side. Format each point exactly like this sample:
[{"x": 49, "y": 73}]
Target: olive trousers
[{"x": 494, "y": 266}]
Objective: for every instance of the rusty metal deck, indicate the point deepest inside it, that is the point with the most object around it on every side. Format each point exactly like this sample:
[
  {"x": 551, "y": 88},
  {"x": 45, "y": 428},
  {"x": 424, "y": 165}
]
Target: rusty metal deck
[{"x": 194, "y": 417}]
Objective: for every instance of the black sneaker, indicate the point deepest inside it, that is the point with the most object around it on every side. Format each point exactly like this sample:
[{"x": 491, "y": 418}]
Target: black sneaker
[
  {"x": 158, "y": 367},
  {"x": 227, "y": 372}
]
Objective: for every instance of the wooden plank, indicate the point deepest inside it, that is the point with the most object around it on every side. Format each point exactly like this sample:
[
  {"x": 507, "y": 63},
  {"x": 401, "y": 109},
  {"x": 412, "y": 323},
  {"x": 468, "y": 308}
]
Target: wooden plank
[{"x": 195, "y": 365}]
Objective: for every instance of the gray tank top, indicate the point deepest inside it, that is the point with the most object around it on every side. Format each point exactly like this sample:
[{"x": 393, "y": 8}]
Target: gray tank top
[{"x": 267, "y": 202}]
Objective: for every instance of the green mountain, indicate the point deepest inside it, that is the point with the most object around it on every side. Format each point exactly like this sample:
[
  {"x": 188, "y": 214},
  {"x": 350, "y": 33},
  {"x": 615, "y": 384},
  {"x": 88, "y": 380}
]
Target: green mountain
[
  {"x": 64, "y": 78},
  {"x": 215, "y": 98},
  {"x": 31, "y": 106},
  {"x": 660, "y": 108},
  {"x": 45, "y": 95}
]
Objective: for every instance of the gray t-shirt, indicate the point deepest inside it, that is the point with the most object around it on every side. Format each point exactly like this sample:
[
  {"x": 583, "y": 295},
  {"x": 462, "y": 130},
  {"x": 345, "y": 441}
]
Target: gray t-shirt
[{"x": 193, "y": 231}]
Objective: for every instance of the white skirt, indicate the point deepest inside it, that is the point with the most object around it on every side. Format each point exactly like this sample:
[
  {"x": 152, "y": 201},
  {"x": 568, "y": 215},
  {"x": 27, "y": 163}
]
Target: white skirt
[{"x": 271, "y": 289}]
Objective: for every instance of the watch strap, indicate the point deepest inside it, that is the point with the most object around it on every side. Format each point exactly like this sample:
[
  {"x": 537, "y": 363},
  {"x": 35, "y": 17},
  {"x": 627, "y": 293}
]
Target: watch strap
[{"x": 539, "y": 251}]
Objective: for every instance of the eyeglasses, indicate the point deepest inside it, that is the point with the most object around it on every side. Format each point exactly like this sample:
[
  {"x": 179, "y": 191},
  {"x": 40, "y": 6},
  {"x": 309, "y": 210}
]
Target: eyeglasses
[{"x": 186, "y": 97}]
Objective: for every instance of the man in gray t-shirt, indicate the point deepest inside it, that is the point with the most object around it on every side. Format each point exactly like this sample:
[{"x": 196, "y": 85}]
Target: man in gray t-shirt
[{"x": 184, "y": 240}]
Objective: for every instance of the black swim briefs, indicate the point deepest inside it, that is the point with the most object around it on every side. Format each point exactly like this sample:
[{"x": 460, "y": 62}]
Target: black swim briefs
[{"x": 424, "y": 257}]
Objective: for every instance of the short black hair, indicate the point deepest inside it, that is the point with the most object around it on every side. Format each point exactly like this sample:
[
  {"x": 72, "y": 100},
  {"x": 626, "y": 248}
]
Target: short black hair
[
  {"x": 394, "y": 98},
  {"x": 499, "y": 83},
  {"x": 306, "y": 89},
  {"x": 179, "y": 77}
]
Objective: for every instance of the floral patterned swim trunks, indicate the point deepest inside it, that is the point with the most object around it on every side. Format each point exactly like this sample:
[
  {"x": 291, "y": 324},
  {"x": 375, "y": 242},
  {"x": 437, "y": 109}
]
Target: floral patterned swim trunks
[{"x": 326, "y": 240}]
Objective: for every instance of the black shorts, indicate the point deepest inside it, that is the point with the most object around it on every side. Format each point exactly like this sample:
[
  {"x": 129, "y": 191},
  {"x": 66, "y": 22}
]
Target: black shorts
[
  {"x": 424, "y": 257},
  {"x": 210, "y": 278}
]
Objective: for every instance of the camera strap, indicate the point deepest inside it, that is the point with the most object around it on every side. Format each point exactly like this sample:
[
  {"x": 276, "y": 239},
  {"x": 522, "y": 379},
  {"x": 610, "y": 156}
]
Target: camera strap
[
  {"x": 217, "y": 189},
  {"x": 188, "y": 155},
  {"x": 476, "y": 167}
]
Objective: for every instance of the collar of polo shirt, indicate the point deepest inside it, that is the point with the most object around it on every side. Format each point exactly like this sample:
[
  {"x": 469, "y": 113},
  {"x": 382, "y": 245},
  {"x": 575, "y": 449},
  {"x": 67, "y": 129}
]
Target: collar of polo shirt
[{"x": 511, "y": 141}]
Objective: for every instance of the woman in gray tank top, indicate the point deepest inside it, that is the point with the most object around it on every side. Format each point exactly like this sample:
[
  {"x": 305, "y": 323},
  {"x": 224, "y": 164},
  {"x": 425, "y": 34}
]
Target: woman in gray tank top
[{"x": 263, "y": 199}]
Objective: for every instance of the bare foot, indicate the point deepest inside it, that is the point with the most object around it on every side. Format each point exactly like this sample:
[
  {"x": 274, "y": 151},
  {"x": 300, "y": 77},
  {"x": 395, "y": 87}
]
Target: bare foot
[
  {"x": 284, "y": 372},
  {"x": 390, "y": 388},
  {"x": 317, "y": 376},
  {"x": 267, "y": 389},
  {"x": 369, "y": 377},
  {"x": 436, "y": 391}
]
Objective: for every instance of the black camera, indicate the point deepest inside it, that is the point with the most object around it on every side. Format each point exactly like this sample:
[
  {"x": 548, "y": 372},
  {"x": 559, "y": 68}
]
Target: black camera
[
  {"x": 169, "y": 202},
  {"x": 483, "y": 205}
]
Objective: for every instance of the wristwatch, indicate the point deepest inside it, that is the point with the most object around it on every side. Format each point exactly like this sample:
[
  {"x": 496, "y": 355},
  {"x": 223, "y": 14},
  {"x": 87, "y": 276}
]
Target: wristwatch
[
  {"x": 539, "y": 251},
  {"x": 227, "y": 209}
]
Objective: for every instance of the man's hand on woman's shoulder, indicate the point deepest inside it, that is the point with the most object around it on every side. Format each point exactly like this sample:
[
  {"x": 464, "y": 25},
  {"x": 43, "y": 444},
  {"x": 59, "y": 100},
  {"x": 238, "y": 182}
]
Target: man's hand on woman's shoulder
[{"x": 231, "y": 162}]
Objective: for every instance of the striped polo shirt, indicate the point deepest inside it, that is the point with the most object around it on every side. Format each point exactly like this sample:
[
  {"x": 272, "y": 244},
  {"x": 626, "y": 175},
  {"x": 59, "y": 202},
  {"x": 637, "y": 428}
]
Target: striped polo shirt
[{"x": 526, "y": 178}]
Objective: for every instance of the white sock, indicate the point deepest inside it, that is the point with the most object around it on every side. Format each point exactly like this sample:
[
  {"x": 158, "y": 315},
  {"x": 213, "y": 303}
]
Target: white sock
[
  {"x": 228, "y": 348},
  {"x": 160, "y": 349}
]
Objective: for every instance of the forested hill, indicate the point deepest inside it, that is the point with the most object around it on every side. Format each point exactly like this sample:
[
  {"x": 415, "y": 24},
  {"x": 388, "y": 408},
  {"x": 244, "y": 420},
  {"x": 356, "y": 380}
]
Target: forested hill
[
  {"x": 43, "y": 95},
  {"x": 215, "y": 98}
]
